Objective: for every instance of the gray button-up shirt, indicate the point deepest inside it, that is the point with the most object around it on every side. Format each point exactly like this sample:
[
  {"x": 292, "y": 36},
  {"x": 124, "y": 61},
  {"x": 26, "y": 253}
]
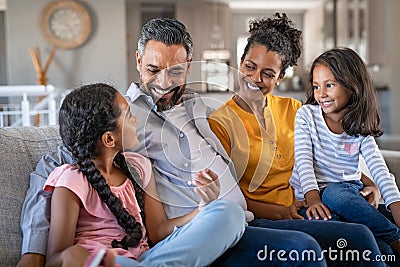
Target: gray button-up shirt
[{"x": 168, "y": 149}]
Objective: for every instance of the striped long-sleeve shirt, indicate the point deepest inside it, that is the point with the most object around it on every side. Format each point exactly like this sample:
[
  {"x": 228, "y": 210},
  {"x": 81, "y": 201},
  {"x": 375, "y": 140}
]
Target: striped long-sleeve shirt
[{"x": 323, "y": 157}]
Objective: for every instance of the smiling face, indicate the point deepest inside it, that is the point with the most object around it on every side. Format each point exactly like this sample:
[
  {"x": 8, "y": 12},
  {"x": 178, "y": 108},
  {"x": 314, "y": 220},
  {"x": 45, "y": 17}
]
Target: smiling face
[
  {"x": 260, "y": 71},
  {"x": 329, "y": 93},
  {"x": 163, "y": 70}
]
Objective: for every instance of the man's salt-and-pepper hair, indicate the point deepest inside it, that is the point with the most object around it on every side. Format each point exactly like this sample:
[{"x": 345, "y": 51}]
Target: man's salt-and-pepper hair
[{"x": 168, "y": 31}]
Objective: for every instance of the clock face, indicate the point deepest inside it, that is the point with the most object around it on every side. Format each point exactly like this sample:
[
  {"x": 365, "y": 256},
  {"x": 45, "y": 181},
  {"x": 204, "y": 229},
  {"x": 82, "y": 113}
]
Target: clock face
[{"x": 65, "y": 24}]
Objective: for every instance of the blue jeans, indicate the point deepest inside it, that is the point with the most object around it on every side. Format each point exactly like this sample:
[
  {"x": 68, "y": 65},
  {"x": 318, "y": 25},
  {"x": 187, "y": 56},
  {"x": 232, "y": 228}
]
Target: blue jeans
[
  {"x": 261, "y": 246},
  {"x": 335, "y": 239},
  {"x": 216, "y": 228},
  {"x": 344, "y": 200}
]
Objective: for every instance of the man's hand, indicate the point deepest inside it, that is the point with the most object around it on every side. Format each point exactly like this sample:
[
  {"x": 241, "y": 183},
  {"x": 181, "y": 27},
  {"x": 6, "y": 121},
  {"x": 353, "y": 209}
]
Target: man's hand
[
  {"x": 207, "y": 186},
  {"x": 31, "y": 260}
]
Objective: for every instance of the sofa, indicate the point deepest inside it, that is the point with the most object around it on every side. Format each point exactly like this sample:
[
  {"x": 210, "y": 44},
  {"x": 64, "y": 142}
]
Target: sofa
[{"x": 21, "y": 149}]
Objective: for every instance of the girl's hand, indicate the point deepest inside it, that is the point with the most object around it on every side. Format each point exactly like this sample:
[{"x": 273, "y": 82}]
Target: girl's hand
[
  {"x": 207, "y": 186},
  {"x": 74, "y": 256},
  {"x": 318, "y": 209}
]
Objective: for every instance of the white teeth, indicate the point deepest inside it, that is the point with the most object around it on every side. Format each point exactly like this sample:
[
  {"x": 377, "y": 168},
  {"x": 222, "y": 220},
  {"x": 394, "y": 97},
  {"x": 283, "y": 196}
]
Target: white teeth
[
  {"x": 252, "y": 87},
  {"x": 161, "y": 92},
  {"x": 325, "y": 103}
]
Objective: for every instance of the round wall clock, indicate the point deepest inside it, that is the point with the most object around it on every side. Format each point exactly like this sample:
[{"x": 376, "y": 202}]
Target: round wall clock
[{"x": 65, "y": 24}]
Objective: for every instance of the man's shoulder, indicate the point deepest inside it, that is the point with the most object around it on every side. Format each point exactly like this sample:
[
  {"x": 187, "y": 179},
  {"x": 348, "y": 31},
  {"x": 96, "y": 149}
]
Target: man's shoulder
[{"x": 133, "y": 92}]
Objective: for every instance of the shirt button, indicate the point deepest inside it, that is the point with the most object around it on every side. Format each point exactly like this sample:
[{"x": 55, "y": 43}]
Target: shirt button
[
  {"x": 181, "y": 135},
  {"x": 271, "y": 142},
  {"x": 186, "y": 164},
  {"x": 279, "y": 156},
  {"x": 275, "y": 148}
]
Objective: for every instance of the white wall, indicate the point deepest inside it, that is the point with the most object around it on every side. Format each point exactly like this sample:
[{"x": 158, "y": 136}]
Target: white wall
[
  {"x": 102, "y": 59},
  {"x": 313, "y": 34}
]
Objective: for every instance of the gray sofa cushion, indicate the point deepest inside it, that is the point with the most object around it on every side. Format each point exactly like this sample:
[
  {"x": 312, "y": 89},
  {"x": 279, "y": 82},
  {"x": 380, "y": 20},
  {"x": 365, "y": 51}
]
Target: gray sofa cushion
[{"x": 21, "y": 149}]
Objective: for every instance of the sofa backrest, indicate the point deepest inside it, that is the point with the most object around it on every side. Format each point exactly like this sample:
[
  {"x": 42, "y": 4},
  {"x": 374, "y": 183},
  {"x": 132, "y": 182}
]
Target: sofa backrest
[{"x": 20, "y": 150}]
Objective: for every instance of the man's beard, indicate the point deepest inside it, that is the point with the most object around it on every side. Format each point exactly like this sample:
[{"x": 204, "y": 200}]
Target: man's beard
[{"x": 162, "y": 103}]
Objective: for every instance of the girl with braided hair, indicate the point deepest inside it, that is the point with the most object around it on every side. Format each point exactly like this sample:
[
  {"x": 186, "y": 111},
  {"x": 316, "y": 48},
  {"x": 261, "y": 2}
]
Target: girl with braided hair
[{"x": 100, "y": 200}]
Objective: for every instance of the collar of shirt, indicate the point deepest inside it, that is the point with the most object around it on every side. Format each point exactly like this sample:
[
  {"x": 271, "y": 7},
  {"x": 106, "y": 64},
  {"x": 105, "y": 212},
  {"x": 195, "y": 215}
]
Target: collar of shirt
[{"x": 134, "y": 92}]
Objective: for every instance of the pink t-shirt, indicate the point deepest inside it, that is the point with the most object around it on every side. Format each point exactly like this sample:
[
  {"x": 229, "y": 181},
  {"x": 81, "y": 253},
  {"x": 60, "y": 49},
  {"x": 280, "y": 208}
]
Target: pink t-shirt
[{"x": 97, "y": 225}]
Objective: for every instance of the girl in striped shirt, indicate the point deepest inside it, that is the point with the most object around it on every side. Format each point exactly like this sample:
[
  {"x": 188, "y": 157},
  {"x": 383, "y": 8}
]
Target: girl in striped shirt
[{"x": 336, "y": 126}]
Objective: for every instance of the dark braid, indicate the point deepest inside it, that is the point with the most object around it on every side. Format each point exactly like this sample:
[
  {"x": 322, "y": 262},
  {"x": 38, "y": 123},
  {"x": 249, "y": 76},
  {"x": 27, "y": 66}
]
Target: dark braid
[
  {"x": 85, "y": 115},
  {"x": 277, "y": 34},
  {"x": 136, "y": 181}
]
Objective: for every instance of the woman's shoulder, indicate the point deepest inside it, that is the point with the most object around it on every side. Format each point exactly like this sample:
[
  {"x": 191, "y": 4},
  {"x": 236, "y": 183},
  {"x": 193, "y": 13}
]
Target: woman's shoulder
[
  {"x": 282, "y": 101},
  {"x": 226, "y": 111}
]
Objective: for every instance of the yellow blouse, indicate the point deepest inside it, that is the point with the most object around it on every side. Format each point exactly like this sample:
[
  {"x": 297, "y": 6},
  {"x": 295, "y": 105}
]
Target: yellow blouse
[{"x": 263, "y": 159}]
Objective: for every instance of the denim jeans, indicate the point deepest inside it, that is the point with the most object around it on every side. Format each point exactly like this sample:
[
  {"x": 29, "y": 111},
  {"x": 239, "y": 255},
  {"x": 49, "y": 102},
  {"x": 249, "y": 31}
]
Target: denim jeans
[
  {"x": 337, "y": 239},
  {"x": 217, "y": 227},
  {"x": 344, "y": 200},
  {"x": 260, "y": 246}
]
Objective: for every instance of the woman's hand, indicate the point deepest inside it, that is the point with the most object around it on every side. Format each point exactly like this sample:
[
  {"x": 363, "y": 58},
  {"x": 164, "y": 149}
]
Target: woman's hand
[
  {"x": 207, "y": 186},
  {"x": 293, "y": 211},
  {"x": 371, "y": 194}
]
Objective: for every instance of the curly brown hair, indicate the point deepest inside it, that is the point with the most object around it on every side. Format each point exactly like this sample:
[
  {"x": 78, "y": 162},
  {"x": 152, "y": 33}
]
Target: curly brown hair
[{"x": 277, "y": 34}]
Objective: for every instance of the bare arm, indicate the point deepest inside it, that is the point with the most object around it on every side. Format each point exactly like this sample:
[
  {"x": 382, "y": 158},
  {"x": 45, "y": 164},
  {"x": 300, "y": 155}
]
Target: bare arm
[
  {"x": 273, "y": 211},
  {"x": 35, "y": 211},
  {"x": 65, "y": 207}
]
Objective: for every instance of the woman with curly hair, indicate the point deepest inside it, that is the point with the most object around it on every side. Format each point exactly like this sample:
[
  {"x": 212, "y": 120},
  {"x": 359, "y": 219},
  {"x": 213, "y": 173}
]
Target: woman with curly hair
[
  {"x": 256, "y": 128},
  {"x": 100, "y": 200}
]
